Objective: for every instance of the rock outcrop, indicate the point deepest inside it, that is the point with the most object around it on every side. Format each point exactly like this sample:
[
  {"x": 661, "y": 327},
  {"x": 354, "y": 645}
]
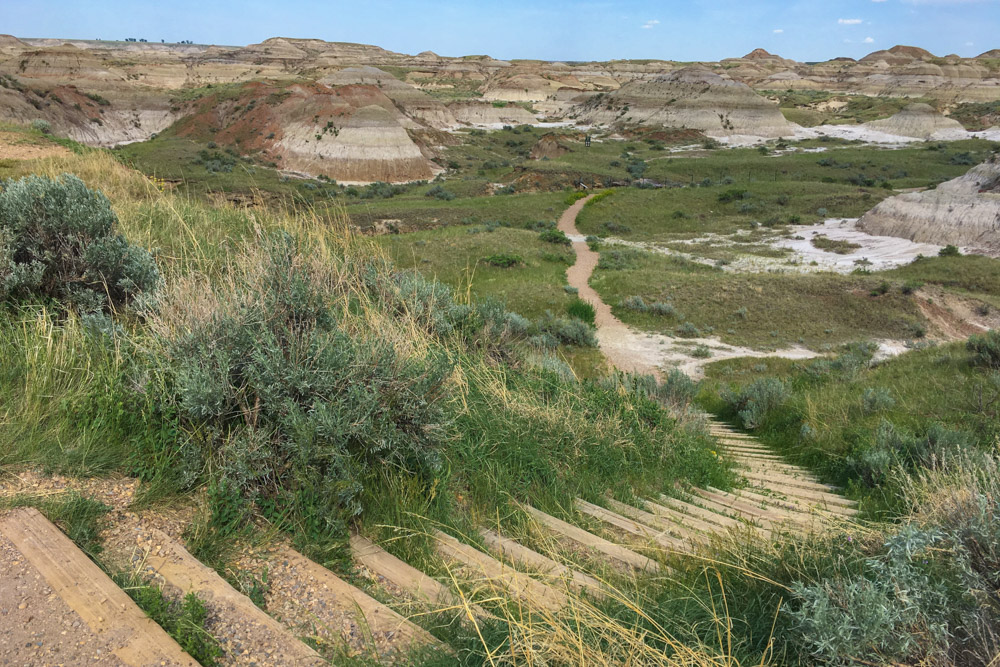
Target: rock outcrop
[
  {"x": 919, "y": 121},
  {"x": 693, "y": 97},
  {"x": 964, "y": 212}
]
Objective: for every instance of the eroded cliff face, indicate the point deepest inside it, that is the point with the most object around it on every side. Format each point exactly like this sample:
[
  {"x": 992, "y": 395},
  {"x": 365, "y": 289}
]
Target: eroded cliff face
[
  {"x": 919, "y": 121},
  {"x": 693, "y": 97},
  {"x": 964, "y": 212}
]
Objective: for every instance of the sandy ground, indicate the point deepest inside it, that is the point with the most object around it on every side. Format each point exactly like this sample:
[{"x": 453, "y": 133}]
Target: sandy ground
[
  {"x": 883, "y": 252},
  {"x": 641, "y": 352},
  {"x": 36, "y": 626},
  {"x": 14, "y": 146}
]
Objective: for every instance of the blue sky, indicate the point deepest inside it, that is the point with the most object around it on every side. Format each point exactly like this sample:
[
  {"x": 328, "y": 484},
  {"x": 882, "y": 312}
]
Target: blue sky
[{"x": 552, "y": 30}]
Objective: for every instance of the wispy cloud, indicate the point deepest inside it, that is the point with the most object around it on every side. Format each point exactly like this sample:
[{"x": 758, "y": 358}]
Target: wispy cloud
[
  {"x": 778, "y": 31},
  {"x": 869, "y": 40},
  {"x": 849, "y": 21},
  {"x": 649, "y": 25}
]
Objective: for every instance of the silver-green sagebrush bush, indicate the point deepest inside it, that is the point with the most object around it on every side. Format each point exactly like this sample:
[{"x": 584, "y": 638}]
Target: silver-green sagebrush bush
[{"x": 57, "y": 241}]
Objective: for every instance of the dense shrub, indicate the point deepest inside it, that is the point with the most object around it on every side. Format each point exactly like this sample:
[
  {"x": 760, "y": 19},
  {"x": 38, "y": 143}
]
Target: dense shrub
[
  {"x": 504, "y": 260},
  {"x": 566, "y": 330},
  {"x": 618, "y": 260},
  {"x": 927, "y": 595},
  {"x": 291, "y": 408},
  {"x": 949, "y": 251},
  {"x": 985, "y": 349},
  {"x": 57, "y": 241},
  {"x": 889, "y": 448},
  {"x": 636, "y": 303},
  {"x": 554, "y": 236},
  {"x": 754, "y": 402},
  {"x": 663, "y": 309},
  {"x": 438, "y": 192},
  {"x": 43, "y": 126}
]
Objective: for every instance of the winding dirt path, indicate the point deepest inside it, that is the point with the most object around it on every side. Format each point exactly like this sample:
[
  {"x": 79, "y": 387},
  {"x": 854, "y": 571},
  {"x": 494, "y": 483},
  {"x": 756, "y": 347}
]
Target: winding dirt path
[{"x": 642, "y": 352}]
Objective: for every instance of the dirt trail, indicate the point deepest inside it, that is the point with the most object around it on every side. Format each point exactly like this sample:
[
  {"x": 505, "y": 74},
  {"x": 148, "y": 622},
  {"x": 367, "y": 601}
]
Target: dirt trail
[{"x": 636, "y": 351}]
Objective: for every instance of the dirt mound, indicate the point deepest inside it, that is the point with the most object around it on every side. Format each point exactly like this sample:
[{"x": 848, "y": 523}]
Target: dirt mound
[
  {"x": 920, "y": 121},
  {"x": 412, "y": 102},
  {"x": 693, "y": 97},
  {"x": 548, "y": 147},
  {"x": 349, "y": 133},
  {"x": 963, "y": 212}
]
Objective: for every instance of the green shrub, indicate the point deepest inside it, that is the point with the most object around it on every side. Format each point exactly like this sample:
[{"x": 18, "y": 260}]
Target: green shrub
[
  {"x": 504, "y": 260},
  {"x": 57, "y": 241},
  {"x": 877, "y": 400},
  {"x": 566, "y": 330},
  {"x": 636, "y": 303},
  {"x": 594, "y": 243},
  {"x": 949, "y": 251},
  {"x": 581, "y": 310},
  {"x": 985, "y": 349},
  {"x": 293, "y": 409},
  {"x": 438, "y": 192},
  {"x": 556, "y": 236},
  {"x": 688, "y": 330},
  {"x": 701, "y": 352},
  {"x": 618, "y": 260},
  {"x": 753, "y": 403},
  {"x": 43, "y": 126},
  {"x": 663, "y": 309}
]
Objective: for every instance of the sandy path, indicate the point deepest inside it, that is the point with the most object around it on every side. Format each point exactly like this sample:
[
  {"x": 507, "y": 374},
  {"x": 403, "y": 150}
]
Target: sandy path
[{"x": 640, "y": 352}]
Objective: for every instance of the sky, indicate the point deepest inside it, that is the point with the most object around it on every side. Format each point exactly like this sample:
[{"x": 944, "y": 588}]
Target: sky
[{"x": 807, "y": 30}]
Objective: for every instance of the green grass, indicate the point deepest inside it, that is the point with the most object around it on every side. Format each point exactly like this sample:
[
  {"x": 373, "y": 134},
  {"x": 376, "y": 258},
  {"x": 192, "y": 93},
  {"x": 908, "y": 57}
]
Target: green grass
[
  {"x": 934, "y": 386},
  {"x": 759, "y": 310},
  {"x": 796, "y": 106},
  {"x": 454, "y": 255}
]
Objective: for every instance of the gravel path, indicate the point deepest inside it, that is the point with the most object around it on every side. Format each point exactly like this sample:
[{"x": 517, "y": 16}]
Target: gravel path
[{"x": 640, "y": 352}]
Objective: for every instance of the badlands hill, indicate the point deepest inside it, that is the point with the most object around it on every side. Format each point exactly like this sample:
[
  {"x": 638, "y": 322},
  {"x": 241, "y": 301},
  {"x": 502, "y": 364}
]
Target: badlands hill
[
  {"x": 964, "y": 212},
  {"x": 108, "y": 93},
  {"x": 919, "y": 121},
  {"x": 693, "y": 97}
]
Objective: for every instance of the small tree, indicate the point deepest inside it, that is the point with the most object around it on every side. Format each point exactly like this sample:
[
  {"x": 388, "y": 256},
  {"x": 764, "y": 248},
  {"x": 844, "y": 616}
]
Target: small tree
[{"x": 57, "y": 241}]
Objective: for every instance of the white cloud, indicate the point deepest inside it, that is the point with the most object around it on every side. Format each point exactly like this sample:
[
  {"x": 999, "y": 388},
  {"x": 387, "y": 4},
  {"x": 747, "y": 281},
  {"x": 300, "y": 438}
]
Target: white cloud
[
  {"x": 649, "y": 25},
  {"x": 869, "y": 40},
  {"x": 778, "y": 31},
  {"x": 849, "y": 21}
]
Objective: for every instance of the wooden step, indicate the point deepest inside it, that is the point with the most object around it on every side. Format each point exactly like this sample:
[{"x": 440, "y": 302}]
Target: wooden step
[
  {"x": 802, "y": 504},
  {"x": 656, "y": 521},
  {"x": 778, "y": 481},
  {"x": 408, "y": 578},
  {"x": 645, "y": 533},
  {"x": 748, "y": 511},
  {"x": 515, "y": 551},
  {"x": 330, "y": 599},
  {"x": 497, "y": 575},
  {"x": 106, "y": 610},
  {"x": 723, "y": 520},
  {"x": 237, "y": 619},
  {"x": 613, "y": 551},
  {"x": 774, "y": 478},
  {"x": 765, "y": 457},
  {"x": 775, "y": 515},
  {"x": 687, "y": 521},
  {"x": 821, "y": 498}
]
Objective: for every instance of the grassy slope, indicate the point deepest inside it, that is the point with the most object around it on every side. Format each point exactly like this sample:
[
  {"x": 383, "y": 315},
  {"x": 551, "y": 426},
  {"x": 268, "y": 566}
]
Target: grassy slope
[
  {"x": 780, "y": 309},
  {"x": 798, "y": 180},
  {"x": 455, "y": 256}
]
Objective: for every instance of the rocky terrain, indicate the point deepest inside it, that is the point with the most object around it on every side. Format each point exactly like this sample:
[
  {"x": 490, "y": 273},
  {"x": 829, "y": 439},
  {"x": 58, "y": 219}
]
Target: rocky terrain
[
  {"x": 919, "y": 121},
  {"x": 693, "y": 97},
  {"x": 964, "y": 212},
  {"x": 398, "y": 106}
]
